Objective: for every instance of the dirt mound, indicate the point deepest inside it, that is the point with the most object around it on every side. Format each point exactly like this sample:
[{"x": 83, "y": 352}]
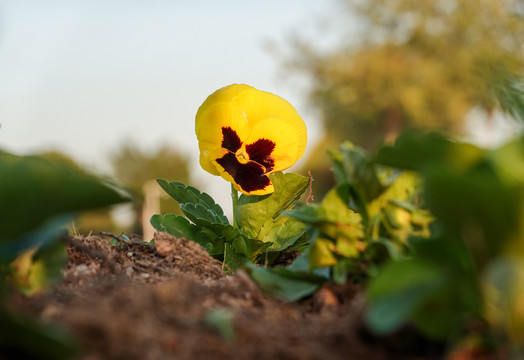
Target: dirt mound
[{"x": 135, "y": 301}]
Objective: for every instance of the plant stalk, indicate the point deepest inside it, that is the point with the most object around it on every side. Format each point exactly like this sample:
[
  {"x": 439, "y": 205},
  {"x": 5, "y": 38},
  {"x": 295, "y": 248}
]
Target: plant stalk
[{"x": 234, "y": 198}]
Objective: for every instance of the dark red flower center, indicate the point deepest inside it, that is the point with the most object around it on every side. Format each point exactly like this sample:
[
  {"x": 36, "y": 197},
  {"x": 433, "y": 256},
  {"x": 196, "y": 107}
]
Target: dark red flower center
[{"x": 251, "y": 175}]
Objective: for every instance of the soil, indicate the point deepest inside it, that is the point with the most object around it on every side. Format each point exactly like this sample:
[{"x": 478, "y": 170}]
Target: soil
[{"x": 136, "y": 301}]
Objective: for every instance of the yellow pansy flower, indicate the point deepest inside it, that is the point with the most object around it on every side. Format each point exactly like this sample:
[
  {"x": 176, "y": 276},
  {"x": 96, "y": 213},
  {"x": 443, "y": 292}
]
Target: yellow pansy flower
[{"x": 245, "y": 134}]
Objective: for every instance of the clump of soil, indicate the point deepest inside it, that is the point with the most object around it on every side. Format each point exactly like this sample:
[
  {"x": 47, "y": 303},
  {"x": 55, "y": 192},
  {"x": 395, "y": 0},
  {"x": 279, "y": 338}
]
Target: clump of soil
[{"x": 136, "y": 301}]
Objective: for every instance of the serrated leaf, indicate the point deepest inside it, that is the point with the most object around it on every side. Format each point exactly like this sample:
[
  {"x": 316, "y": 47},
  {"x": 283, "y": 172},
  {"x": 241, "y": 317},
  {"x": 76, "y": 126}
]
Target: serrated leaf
[
  {"x": 224, "y": 232},
  {"x": 180, "y": 227},
  {"x": 188, "y": 194},
  {"x": 196, "y": 212},
  {"x": 253, "y": 211}
]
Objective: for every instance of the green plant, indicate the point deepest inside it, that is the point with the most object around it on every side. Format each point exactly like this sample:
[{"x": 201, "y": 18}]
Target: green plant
[
  {"x": 365, "y": 220},
  {"x": 261, "y": 232}
]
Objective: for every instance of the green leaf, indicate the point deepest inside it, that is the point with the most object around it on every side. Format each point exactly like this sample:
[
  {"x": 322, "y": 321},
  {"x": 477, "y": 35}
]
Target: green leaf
[
  {"x": 189, "y": 194},
  {"x": 233, "y": 260},
  {"x": 282, "y": 233},
  {"x": 250, "y": 248},
  {"x": 36, "y": 190},
  {"x": 339, "y": 229},
  {"x": 508, "y": 162},
  {"x": 283, "y": 285},
  {"x": 336, "y": 208},
  {"x": 429, "y": 152},
  {"x": 387, "y": 314},
  {"x": 311, "y": 214},
  {"x": 352, "y": 166},
  {"x": 476, "y": 207},
  {"x": 213, "y": 237},
  {"x": 253, "y": 211},
  {"x": 22, "y": 338},
  {"x": 196, "y": 212},
  {"x": 332, "y": 209},
  {"x": 341, "y": 270},
  {"x": 180, "y": 227},
  {"x": 224, "y": 233},
  {"x": 393, "y": 249},
  {"x": 400, "y": 289},
  {"x": 442, "y": 313},
  {"x": 46, "y": 235},
  {"x": 322, "y": 253},
  {"x": 403, "y": 190}
]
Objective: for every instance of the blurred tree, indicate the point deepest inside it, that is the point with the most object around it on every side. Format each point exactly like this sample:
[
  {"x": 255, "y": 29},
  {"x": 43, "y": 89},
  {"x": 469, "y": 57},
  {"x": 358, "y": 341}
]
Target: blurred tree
[
  {"x": 135, "y": 168},
  {"x": 61, "y": 159},
  {"x": 422, "y": 64}
]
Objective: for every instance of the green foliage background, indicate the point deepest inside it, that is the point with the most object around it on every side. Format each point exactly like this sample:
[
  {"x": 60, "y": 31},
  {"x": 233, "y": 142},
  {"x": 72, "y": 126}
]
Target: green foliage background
[
  {"x": 401, "y": 64},
  {"x": 421, "y": 64}
]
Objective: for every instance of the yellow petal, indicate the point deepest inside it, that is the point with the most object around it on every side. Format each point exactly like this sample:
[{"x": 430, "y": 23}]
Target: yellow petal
[
  {"x": 289, "y": 138},
  {"x": 253, "y": 116}
]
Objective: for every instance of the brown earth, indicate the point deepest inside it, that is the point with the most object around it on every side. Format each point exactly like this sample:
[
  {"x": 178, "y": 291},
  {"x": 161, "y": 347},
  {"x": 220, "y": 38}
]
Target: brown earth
[{"x": 135, "y": 301}]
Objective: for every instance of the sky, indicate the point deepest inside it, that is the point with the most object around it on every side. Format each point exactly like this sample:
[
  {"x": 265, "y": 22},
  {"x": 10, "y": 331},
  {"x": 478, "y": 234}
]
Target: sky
[{"x": 83, "y": 76}]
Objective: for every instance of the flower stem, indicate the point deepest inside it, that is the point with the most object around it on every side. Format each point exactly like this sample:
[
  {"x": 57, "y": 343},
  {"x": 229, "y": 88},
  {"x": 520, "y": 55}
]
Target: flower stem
[{"x": 234, "y": 198}]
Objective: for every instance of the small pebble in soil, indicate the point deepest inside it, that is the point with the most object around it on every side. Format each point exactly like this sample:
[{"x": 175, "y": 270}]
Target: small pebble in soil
[
  {"x": 129, "y": 271},
  {"x": 82, "y": 270}
]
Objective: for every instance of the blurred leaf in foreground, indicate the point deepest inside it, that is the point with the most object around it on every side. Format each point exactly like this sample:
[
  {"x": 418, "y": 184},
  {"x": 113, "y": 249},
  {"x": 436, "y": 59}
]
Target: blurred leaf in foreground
[
  {"x": 38, "y": 199},
  {"x": 33, "y": 190},
  {"x": 23, "y": 338},
  {"x": 475, "y": 250}
]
